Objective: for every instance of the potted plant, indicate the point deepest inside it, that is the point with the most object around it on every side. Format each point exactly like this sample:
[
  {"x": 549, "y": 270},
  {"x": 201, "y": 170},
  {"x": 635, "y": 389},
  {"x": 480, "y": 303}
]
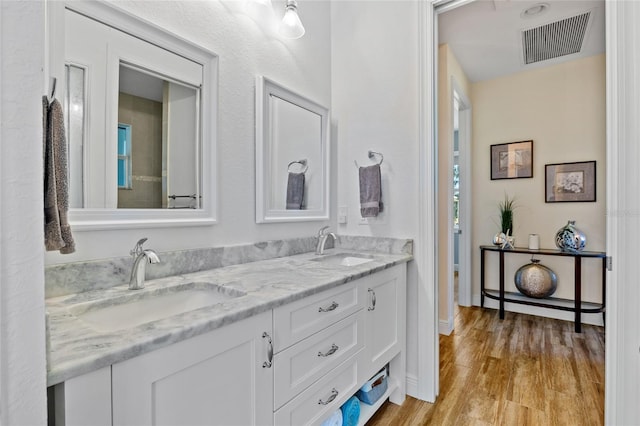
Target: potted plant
[{"x": 504, "y": 238}]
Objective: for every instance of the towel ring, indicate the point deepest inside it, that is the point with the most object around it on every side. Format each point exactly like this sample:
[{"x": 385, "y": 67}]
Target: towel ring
[
  {"x": 302, "y": 162},
  {"x": 371, "y": 155}
]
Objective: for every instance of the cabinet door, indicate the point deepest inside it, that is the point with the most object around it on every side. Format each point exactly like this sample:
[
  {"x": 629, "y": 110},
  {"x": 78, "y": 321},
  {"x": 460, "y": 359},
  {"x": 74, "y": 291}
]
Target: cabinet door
[
  {"x": 218, "y": 378},
  {"x": 386, "y": 317},
  {"x": 84, "y": 400}
]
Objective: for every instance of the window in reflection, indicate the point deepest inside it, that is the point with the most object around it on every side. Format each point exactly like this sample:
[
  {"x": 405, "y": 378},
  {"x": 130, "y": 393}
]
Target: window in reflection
[{"x": 124, "y": 156}]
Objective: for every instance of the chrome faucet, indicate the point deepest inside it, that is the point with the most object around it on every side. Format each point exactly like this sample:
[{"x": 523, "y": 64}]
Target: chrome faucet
[
  {"x": 322, "y": 239},
  {"x": 141, "y": 257}
]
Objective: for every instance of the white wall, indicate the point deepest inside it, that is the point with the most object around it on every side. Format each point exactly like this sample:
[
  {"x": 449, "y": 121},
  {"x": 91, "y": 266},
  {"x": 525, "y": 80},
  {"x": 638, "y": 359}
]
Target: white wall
[
  {"x": 245, "y": 49},
  {"x": 22, "y": 338},
  {"x": 562, "y": 109},
  {"x": 375, "y": 107}
]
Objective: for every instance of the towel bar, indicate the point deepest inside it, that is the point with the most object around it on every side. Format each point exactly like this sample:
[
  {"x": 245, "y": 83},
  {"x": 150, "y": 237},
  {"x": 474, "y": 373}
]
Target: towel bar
[
  {"x": 173, "y": 197},
  {"x": 371, "y": 155}
]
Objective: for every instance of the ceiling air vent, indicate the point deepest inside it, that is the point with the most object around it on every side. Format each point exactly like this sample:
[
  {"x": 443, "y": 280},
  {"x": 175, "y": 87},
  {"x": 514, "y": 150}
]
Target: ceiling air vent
[{"x": 556, "y": 39}]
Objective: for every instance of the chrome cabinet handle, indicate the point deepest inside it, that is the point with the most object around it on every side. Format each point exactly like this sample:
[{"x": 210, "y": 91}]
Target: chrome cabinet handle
[
  {"x": 268, "y": 362},
  {"x": 331, "y": 351},
  {"x": 373, "y": 300},
  {"x": 329, "y": 308},
  {"x": 334, "y": 394}
]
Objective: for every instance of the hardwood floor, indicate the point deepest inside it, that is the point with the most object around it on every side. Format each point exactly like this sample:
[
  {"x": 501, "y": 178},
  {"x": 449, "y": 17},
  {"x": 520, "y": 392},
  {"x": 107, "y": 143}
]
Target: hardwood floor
[{"x": 523, "y": 370}]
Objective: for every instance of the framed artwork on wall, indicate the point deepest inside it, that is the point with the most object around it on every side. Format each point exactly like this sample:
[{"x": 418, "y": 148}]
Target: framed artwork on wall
[
  {"x": 512, "y": 160},
  {"x": 570, "y": 182}
]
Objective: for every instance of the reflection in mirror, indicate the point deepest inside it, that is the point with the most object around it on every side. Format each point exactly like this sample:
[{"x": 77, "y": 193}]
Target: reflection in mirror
[
  {"x": 75, "y": 115},
  {"x": 157, "y": 142},
  {"x": 292, "y": 156},
  {"x": 140, "y": 118},
  {"x": 296, "y": 133}
]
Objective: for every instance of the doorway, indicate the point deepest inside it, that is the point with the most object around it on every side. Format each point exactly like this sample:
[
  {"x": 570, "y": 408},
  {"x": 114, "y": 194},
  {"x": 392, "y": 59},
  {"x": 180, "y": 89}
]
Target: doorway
[{"x": 432, "y": 10}]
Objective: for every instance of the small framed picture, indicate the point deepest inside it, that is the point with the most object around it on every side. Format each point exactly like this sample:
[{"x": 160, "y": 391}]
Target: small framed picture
[
  {"x": 512, "y": 160},
  {"x": 570, "y": 182}
]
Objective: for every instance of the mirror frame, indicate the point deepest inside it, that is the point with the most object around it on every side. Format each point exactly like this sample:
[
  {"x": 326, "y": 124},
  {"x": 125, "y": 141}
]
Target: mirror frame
[
  {"x": 107, "y": 218},
  {"x": 265, "y": 88}
]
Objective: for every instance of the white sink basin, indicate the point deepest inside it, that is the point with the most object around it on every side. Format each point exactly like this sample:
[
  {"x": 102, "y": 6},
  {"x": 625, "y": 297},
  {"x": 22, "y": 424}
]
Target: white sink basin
[
  {"x": 144, "y": 306},
  {"x": 344, "y": 259}
]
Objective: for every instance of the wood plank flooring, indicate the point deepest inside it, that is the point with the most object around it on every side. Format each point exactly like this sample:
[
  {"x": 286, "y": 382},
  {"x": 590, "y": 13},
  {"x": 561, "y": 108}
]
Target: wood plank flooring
[{"x": 523, "y": 370}]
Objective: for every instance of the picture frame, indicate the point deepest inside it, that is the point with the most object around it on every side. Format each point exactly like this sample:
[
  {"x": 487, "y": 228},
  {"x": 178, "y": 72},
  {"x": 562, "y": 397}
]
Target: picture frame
[
  {"x": 512, "y": 160},
  {"x": 570, "y": 182}
]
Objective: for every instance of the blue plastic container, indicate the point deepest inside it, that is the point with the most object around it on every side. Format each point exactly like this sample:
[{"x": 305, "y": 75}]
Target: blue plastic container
[{"x": 371, "y": 391}]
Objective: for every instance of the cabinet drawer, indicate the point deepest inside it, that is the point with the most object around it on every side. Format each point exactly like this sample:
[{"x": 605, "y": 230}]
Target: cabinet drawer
[
  {"x": 298, "y": 366},
  {"x": 315, "y": 404},
  {"x": 298, "y": 320}
]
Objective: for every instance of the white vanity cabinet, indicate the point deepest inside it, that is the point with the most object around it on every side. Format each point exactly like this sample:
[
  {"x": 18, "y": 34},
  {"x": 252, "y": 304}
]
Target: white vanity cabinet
[
  {"x": 223, "y": 377},
  {"x": 293, "y": 365}
]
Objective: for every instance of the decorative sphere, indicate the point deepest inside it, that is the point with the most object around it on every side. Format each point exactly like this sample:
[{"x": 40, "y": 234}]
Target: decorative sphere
[{"x": 536, "y": 280}]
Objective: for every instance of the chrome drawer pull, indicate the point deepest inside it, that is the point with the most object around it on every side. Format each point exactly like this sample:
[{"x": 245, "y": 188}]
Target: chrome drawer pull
[
  {"x": 331, "y": 351},
  {"x": 373, "y": 300},
  {"x": 334, "y": 394},
  {"x": 268, "y": 362},
  {"x": 330, "y": 308}
]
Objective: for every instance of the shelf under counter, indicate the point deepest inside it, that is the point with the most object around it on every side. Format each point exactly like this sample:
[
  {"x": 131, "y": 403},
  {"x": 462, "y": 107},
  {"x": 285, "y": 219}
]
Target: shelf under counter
[{"x": 367, "y": 411}]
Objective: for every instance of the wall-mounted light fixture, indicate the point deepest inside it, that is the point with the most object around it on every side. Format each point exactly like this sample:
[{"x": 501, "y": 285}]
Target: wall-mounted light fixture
[{"x": 291, "y": 26}]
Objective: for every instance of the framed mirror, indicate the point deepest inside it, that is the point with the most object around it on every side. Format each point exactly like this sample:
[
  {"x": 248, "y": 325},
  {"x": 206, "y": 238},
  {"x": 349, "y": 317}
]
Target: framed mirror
[
  {"x": 292, "y": 155},
  {"x": 140, "y": 107}
]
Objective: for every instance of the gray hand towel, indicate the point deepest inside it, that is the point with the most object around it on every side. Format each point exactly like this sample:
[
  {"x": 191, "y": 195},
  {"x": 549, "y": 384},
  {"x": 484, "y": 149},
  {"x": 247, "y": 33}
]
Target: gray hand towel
[
  {"x": 370, "y": 191},
  {"x": 57, "y": 232},
  {"x": 295, "y": 191}
]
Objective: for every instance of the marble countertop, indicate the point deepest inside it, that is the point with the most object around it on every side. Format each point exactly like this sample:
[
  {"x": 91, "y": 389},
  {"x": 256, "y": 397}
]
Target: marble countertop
[{"x": 76, "y": 348}]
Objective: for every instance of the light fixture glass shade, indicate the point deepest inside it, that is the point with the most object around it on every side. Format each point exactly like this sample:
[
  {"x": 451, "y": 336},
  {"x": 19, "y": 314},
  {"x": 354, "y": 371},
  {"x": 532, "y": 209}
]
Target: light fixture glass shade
[{"x": 291, "y": 26}]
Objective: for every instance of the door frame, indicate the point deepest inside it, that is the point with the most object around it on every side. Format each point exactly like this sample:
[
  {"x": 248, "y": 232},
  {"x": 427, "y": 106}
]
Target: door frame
[
  {"x": 464, "y": 231},
  {"x": 619, "y": 32}
]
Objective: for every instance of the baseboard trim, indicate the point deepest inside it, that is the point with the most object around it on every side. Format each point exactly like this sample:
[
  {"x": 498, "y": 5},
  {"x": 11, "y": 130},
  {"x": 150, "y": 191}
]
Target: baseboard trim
[
  {"x": 591, "y": 319},
  {"x": 445, "y": 327},
  {"x": 412, "y": 386}
]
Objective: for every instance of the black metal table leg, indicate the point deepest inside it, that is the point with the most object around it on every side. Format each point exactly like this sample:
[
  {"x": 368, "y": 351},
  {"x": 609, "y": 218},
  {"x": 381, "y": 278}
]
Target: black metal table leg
[
  {"x": 501, "y": 284},
  {"x": 578, "y": 295},
  {"x": 482, "y": 252}
]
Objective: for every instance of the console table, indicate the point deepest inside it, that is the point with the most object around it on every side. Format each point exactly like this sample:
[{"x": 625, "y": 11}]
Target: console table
[{"x": 550, "y": 302}]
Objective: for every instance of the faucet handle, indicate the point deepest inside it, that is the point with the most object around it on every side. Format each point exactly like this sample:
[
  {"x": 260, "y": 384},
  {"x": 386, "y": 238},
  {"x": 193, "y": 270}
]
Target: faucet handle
[
  {"x": 138, "y": 247},
  {"x": 322, "y": 231}
]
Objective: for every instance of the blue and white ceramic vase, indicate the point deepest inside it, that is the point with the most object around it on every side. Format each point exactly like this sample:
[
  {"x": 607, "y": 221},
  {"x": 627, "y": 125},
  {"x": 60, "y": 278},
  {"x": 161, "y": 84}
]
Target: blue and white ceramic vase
[{"x": 570, "y": 238}]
